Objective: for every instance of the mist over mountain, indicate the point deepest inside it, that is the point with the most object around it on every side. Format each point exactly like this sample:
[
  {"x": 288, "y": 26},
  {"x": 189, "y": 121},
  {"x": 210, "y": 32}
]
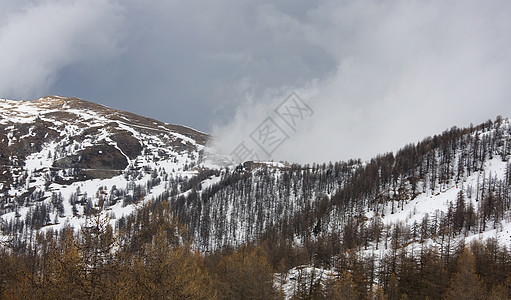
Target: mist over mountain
[
  {"x": 257, "y": 149},
  {"x": 73, "y": 169}
]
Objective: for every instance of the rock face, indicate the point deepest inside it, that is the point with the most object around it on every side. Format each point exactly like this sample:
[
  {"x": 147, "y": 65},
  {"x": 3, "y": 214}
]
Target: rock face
[{"x": 65, "y": 140}]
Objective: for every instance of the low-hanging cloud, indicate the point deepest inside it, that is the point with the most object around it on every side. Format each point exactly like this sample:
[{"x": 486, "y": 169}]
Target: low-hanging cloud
[
  {"x": 39, "y": 38},
  {"x": 405, "y": 70},
  {"x": 377, "y": 74}
]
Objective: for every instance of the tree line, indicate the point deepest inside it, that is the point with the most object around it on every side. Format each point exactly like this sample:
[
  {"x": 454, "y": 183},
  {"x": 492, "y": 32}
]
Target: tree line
[{"x": 151, "y": 258}]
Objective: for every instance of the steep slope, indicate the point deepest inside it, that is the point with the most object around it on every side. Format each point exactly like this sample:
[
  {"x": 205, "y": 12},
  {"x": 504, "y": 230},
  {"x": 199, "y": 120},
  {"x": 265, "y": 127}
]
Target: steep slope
[
  {"x": 386, "y": 223},
  {"x": 64, "y": 159},
  {"x": 58, "y": 152},
  {"x": 414, "y": 192}
]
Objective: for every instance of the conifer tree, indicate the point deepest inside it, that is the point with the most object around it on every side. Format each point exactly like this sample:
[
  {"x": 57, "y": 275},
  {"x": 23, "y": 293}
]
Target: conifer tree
[
  {"x": 341, "y": 288},
  {"x": 466, "y": 284},
  {"x": 245, "y": 274}
]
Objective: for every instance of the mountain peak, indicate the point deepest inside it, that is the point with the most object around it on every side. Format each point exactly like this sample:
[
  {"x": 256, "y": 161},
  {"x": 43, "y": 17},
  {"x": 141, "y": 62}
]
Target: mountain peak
[
  {"x": 58, "y": 101},
  {"x": 67, "y": 139}
]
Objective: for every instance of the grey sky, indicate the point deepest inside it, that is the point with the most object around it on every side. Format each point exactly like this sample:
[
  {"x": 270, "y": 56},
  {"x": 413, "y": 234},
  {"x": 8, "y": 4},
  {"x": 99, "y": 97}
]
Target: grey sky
[{"x": 378, "y": 74}]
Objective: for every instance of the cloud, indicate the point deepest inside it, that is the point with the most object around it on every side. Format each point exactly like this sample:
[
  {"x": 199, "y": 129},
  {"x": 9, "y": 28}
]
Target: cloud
[
  {"x": 39, "y": 38},
  {"x": 378, "y": 74},
  {"x": 189, "y": 62},
  {"x": 404, "y": 70}
]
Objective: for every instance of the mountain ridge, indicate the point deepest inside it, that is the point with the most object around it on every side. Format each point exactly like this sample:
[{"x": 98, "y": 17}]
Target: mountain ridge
[
  {"x": 69, "y": 161},
  {"x": 53, "y": 143}
]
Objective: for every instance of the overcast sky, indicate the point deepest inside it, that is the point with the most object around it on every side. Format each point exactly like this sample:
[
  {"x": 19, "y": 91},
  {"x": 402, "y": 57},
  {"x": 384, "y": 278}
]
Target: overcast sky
[{"x": 376, "y": 74}]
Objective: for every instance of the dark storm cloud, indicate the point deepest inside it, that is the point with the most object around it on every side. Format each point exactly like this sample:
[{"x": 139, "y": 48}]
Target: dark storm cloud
[
  {"x": 377, "y": 74},
  {"x": 191, "y": 61}
]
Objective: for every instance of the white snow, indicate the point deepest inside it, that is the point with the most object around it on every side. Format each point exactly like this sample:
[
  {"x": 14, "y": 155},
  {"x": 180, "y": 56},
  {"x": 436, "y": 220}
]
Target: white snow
[{"x": 157, "y": 155}]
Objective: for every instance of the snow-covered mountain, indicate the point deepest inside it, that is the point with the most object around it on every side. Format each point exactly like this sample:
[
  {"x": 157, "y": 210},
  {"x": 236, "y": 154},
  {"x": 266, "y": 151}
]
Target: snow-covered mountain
[
  {"x": 59, "y": 157},
  {"x": 63, "y": 159},
  {"x": 412, "y": 196}
]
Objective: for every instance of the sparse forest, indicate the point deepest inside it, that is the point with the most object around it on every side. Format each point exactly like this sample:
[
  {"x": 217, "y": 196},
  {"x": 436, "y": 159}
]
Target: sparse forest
[
  {"x": 238, "y": 237},
  {"x": 150, "y": 259}
]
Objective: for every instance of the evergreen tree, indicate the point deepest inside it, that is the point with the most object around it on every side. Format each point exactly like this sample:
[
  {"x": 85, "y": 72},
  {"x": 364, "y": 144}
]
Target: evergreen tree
[
  {"x": 245, "y": 274},
  {"x": 466, "y": 284},
  {"x": 341, "y": 288}
]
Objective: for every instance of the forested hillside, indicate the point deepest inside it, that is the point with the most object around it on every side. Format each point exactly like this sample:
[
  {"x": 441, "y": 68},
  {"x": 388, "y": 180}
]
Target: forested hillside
[
  {"x": 450, "y": 185},
  {"x": 430, "y": 220}
]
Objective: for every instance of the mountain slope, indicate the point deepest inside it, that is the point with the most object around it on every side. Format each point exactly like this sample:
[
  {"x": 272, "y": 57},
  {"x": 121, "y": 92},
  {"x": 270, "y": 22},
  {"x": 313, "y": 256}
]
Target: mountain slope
[
  {"x": 65, "y": 158},
  {"x": 355, "y": 204},
  {"x": 63, "y": 148},
  {"x": 65, "y": 161}
]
